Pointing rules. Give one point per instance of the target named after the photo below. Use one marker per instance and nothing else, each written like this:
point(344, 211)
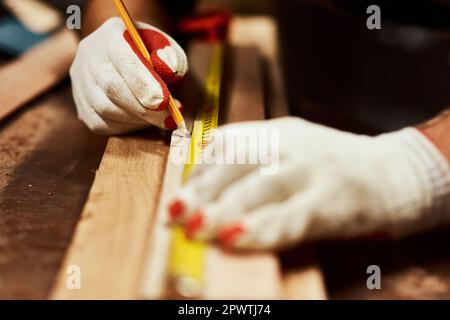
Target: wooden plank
point(302, 274)
point(45, 178)
point(237, 275)
point(111, 235)
point(36, 71)
point(154, 280)
point(262, 33)
point(306, 282)
point(244, 86)
point(303, 279)
point(154, 284)
point(36, 16)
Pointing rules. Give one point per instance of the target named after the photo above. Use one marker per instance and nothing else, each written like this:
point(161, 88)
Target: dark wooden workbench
point(47, 164)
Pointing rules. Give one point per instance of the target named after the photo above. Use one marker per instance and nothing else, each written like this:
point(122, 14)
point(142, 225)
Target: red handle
point(211, 27)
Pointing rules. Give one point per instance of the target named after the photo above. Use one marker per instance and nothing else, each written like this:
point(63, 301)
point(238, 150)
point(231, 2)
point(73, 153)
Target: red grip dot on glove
point(155, 41)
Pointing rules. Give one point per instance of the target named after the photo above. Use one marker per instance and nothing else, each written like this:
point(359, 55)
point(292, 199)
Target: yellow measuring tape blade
point(186, 262)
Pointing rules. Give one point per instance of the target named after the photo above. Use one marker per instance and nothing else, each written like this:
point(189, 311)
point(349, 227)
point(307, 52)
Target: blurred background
point(345, 75)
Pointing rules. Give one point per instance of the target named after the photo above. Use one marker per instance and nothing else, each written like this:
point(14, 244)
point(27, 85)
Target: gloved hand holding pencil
point(115, 89)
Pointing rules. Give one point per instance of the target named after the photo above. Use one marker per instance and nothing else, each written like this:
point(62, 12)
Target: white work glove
point(115, 88)
point(330, 184)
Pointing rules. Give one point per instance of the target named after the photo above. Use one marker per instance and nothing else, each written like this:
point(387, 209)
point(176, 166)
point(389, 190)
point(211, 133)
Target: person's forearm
point(149, 11)
point(438, 131)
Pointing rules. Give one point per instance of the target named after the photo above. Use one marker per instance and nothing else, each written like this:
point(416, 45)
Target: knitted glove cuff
point(434, 170)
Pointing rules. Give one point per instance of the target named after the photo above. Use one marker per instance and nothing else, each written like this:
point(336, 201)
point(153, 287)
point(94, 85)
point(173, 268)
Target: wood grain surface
point(154, 277)
point(47, 164)
point(237, 275)
point(111, 235)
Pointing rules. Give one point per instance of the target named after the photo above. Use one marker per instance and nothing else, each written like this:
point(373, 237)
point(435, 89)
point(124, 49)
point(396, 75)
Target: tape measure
point(187, 257)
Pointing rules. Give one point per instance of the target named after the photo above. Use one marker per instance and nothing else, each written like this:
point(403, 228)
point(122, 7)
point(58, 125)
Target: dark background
point(382, 79)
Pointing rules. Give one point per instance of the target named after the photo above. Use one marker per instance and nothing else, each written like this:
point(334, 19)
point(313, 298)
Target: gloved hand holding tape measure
point(329, 184)
point(115, 88)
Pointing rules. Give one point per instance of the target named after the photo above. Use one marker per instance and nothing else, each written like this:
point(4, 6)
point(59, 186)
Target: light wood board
point(154, 284)
point(243, 275)
point(110, 238)
point(36, 71)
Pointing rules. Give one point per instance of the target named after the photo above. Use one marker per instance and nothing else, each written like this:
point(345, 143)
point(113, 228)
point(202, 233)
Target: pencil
point(129, 24)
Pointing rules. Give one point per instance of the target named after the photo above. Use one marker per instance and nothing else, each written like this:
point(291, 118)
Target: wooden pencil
point(129, 24)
